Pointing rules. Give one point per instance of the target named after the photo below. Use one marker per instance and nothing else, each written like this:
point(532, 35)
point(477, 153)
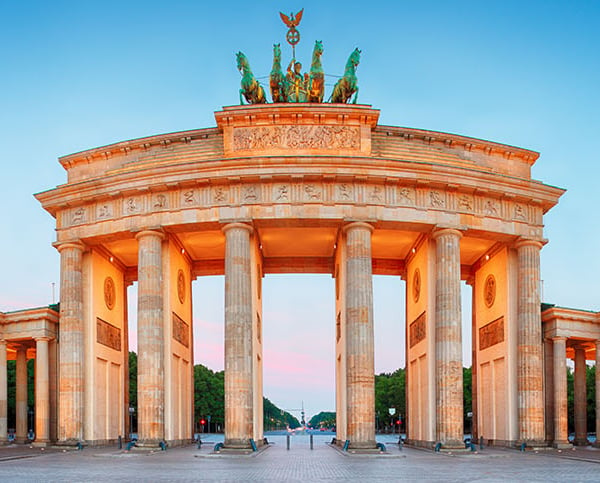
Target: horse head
point(318, 50)
point(355, 57)
point(242, 61)
point(276, 53)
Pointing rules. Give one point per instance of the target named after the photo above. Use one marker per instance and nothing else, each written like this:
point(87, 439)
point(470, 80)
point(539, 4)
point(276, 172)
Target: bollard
point(253, 445)
point(346, 445)
point(163, 445)
point(480, 442)
point(79, 446)
point(120, 443)
point(130, 445)
point(381, 447)
point(437, 447)
point(523, 446)
point(199, 446)
point(311, 441)
point(217, 447)
point(288, 441)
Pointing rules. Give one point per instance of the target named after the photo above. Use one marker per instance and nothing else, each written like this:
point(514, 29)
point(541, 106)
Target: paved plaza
point(300, 463)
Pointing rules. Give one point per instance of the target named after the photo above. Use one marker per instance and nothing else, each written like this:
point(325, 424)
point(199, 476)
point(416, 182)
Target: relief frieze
point(406, 196)
point(160, 201)
point(296, 137)
point(491, 334)
point(104, 211)
point(181, 330)
point(78, 216)
point(108, 335)
point(418, 330)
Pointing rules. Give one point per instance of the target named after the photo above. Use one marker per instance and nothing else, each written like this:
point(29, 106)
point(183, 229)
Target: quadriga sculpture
point(348, 84)
point(251, 89)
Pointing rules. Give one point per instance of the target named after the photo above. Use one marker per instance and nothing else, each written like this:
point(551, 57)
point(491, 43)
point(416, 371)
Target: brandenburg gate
point(301, 188)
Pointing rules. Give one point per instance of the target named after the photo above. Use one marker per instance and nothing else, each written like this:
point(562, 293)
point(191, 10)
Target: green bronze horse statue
point(348, 84)
point(316, 78)
point(277, 80)
point(251, 89)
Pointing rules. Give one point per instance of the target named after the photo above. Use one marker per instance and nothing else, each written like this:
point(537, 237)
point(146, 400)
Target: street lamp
point(392, 411)
point(131, 411)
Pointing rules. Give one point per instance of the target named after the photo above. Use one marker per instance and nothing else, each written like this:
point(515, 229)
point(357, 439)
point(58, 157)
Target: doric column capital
point(145, 233)
point(43, 339)
point(525, 242)
point(357, 225)
point(438, 232)
point(238, 225)
point(558, 338)
point(76, 244)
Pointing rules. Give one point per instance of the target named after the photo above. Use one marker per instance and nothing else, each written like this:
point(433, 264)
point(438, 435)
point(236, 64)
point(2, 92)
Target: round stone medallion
point(109, 292)
point(181, 286)
point(489, 291)
point(416, 289)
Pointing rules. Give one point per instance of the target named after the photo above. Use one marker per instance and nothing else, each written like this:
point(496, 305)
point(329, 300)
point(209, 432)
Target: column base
point(363, 445)
point(453, 445)
point(561, 445)
point(237, 444)
point(581, 442)
point(150, 444)
point(40, 444)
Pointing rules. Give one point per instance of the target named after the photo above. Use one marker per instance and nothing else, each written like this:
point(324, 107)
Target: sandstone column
point(597, 381)
point(580, 398)
point(21, 396)
point(238, 336)
point(448, 340)
point(3, 394)
point(42, 391)
point(360, 365)
point(529, 344)
point(151, 388)
point(560, 391)
point(71, 353)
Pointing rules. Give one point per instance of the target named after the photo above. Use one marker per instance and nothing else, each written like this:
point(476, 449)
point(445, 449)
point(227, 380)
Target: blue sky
point(77, 75)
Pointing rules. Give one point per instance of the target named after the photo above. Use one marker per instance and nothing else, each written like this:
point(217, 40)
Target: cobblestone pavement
point(300, 463)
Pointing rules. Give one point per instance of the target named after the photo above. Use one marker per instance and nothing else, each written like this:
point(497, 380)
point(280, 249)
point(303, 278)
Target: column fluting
point(529, 344)
point(21, 396)
point(580, 398)
point(151, 372)
point(448, 340)
point(42, 391)
point(360, 365)
point(238, 336)
point(559, 356)
point(71, 347)
point(3, 394)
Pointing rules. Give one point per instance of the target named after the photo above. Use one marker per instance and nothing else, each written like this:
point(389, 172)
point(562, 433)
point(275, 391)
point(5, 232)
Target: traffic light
point(202, 422)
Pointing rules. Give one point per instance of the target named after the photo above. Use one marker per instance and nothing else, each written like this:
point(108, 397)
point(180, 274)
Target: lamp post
point(131, 411)
point(392, 411)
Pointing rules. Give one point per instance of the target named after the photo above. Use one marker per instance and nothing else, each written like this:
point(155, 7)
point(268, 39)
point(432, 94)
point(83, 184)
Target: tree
point(390, 393)
point(325, 419)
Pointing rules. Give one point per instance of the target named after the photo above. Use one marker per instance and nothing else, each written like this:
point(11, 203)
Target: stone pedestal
point(21, 396)
point(560, 392)
point(580, 398)
point(71, 347)
point(360, 365)
point(42, 392)
point(151, 388)
point(3, 394)
point(238, 336)
point(448, 340)
point(529, 345)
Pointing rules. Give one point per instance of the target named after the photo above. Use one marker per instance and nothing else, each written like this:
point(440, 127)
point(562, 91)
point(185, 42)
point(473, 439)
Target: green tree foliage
point(209, 396)
point(325, 419)
point(11, 375)
point(276, 418)
point(467, 396)
point(590, 378)
point(390, 393)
